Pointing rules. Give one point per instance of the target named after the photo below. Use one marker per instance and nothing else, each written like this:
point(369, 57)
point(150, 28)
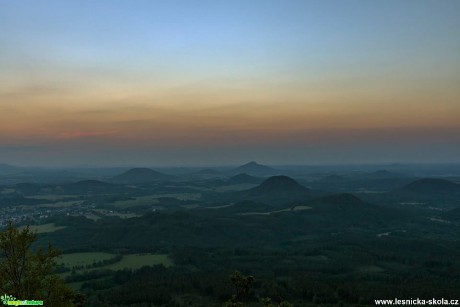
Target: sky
point(225, 82)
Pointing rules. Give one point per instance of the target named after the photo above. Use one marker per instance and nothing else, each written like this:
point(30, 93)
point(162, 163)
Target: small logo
point(10, 300)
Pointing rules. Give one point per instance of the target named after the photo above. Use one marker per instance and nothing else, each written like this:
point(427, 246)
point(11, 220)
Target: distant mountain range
point(255, 169)
point(141, 175)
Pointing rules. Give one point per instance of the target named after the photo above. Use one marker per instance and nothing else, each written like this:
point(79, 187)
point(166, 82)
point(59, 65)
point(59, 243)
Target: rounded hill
point(141, 175)
point(432, 185)
point(279, 184)
point(254, 168)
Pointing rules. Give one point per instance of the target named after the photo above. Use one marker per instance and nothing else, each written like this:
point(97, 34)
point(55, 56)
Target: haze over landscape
point(223, 82)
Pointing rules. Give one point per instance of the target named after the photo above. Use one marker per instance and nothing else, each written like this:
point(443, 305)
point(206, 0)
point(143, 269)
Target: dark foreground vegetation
point(271, 237)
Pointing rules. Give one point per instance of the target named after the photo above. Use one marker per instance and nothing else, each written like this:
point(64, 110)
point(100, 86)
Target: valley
point(308, 238)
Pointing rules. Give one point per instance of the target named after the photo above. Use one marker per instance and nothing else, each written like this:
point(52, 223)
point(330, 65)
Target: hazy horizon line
point(229, 165)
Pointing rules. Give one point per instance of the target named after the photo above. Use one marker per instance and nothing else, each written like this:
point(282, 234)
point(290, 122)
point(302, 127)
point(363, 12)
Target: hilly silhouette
point(141, 175)
point(243, 178)
point(255, 169)
point(432, 186)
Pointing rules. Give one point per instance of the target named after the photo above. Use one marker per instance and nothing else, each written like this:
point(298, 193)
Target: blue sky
point(81, 80)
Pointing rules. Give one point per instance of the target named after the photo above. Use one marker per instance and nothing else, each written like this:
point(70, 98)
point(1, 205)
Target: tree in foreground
point(242, 285)
point(31, 275)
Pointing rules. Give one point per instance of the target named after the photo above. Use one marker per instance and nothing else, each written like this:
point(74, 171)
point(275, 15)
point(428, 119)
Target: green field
point(137, 202)
point(51, 227)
